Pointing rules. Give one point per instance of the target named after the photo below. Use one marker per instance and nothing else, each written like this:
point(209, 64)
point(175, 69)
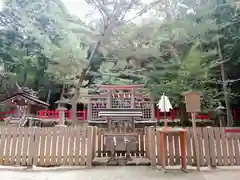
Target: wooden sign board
point(193, 102)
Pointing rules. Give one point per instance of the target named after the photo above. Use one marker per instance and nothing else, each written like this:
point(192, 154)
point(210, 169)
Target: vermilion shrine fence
point(82, 115)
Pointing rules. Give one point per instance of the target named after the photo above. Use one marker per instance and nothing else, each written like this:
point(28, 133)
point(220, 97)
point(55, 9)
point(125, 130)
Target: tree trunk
point(225, 88)
point(48, 97)
point(183, 114)
point(79, 84)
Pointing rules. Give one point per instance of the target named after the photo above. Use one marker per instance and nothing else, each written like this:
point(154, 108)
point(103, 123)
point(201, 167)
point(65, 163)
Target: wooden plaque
point(193, 102)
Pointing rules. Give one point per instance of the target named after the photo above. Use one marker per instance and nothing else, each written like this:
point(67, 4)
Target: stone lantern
point(61, 108)
point(220, 110)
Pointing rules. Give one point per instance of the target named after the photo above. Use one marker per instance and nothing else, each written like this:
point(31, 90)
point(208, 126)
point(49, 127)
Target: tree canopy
point(171, 47)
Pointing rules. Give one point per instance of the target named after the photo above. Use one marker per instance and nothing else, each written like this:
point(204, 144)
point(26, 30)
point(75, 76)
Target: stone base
point(121, 161)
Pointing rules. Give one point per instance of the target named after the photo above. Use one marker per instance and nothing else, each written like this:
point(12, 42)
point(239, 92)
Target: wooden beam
point(141, 102)
point(105, 95)
point(120, 86)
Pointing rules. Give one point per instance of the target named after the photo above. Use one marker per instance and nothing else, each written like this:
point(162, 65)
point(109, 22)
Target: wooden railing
point(82, 115)
point(54, 114)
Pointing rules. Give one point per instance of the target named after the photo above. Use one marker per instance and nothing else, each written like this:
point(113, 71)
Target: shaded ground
point(118, 173)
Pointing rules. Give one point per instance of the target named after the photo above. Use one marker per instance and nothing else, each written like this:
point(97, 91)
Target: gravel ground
point(117, 173)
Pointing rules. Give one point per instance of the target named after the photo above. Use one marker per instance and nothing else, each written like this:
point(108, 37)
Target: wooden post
point(195, 139)
point(109, 100)
point(152, 148)
point(89, 111)
point(94, 142)
point(152, 109)
point(28, 113)
point(89, 146)
point(146, 141)
point(133, 98)
point(193, 105)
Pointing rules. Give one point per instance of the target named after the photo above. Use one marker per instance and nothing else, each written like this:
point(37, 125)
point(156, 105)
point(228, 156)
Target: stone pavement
point(117, 173)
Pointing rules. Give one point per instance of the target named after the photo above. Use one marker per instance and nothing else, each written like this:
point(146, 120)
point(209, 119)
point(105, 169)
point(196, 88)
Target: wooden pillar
point(152, 110)
point(152, 147)
point(28, 111)
point(109, 99)
point(89, 111)
point(133, 98)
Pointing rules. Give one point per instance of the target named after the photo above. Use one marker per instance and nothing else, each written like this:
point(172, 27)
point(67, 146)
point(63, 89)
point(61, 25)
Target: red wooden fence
point(82, 115)
point(54, 114)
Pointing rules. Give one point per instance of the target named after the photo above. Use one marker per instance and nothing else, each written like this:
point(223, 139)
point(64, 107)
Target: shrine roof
point(28, 97)
point(130, 86)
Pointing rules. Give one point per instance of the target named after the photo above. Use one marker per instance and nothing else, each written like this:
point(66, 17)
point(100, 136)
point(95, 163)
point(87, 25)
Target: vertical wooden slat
point(171, 149)
point(138, 142)
point(177, 149)
point(224, 146)
point(189, 148)
point(42, 148)
point(152, 148)
point(37, 146)
point(200, 141)
point(20, 132)
point(230, 151)
point(212, 147)
point(193, 148)
point(54, 147)
point(65, 146)
point(99, 142)
point(60, 145)
point(31, 146)
point(236, 150)
point(104, 152)
point(142, 142)
point(206, 147)
point(48, 147)
point(89, 146)
point(77, 146)
point(14, 145)
point(218, 146)
point(94, 144)
point(146, 142)
point(83, 146)
point(158, 149)
point(8, 146)
point(166, 150)
point(72, 135)
point(2, 144)
point(25, 146)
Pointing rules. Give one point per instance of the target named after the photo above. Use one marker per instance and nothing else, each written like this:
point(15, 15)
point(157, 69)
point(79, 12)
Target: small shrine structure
point(121, 97)
point(26, 101)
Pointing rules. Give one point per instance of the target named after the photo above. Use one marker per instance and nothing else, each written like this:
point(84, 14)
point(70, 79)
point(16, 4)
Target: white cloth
point(164, 104)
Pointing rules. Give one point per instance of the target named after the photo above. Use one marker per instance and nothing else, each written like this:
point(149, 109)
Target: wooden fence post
point(94, 145)
point(89, 146)
point(152, 145)
point(146, 141)
point(212, 147)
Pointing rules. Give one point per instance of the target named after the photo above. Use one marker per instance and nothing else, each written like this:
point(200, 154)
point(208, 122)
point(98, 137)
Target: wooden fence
point(216, 149)
point(74, 146)
point(46, 146)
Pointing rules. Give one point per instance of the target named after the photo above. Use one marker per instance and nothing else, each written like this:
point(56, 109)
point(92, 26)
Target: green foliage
point(44, 46)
